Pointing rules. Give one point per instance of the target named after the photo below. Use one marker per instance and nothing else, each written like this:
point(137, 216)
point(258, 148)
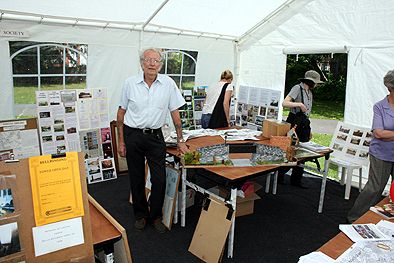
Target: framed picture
point(120, 162)
point(172, 177)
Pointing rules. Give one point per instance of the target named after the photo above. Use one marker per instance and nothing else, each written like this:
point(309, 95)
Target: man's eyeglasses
point(152, 60)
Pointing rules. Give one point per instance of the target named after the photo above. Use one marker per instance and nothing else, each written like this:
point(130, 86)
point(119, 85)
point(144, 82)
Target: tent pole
point(237, 66)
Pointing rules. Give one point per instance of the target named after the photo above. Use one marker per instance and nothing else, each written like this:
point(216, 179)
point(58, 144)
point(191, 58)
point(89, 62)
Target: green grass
point(324, 139)
point(328, 110)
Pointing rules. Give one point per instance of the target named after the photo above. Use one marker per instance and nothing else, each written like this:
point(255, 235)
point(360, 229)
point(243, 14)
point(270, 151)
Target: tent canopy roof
point(219, 19)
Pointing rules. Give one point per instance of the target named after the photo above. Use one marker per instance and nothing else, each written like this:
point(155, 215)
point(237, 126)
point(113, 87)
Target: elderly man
point(145, 102)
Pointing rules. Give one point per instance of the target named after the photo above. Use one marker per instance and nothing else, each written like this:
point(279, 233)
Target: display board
point(186, 112)
point(199, 94)
point(254, 105)
point(351, 143)
point(51, 242)
point(77, 120)
point(19, 139)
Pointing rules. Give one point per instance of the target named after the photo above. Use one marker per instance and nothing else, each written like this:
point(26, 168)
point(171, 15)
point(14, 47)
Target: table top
point(230, 173)
point(340, 243)
point(102, 229)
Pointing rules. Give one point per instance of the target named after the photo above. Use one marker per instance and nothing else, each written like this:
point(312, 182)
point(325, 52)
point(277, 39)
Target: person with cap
point(381, 153)
point(146, 100)
point(299, 100)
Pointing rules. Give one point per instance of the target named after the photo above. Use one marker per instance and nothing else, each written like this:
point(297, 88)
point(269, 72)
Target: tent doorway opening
point(328, 98)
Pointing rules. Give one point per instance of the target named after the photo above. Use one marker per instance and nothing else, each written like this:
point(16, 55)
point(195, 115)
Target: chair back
point(350, 144)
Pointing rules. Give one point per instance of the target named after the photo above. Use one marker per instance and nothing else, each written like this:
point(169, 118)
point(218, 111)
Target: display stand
point(24, 218)
point(109, 234)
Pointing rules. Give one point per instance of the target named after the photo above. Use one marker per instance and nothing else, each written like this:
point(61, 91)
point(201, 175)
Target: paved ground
point(322, 126)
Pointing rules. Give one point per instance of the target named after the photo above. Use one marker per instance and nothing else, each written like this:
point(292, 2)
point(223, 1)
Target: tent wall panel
point(365, 83)
point(113, 55)
point(326, 25)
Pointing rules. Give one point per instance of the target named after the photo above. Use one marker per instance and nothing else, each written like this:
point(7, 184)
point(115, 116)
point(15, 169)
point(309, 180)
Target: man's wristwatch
point(181, 140)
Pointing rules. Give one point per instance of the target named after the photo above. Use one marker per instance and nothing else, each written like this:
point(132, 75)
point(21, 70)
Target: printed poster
point(56, 188)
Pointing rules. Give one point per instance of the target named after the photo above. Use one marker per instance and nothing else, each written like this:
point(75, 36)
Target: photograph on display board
point(93, 170)
point(68, 96)
point(44, 114)
point(198, 104)
point(358, 133)
point(90, 140)
point(59, 137)
point(259, 120)
point(272, 113)
point(60, 149)
point(107, 150)
point(107, 163)
point(109, 174)
point(84, 95)
point(47, 128)
point(9, 239)
point(105, 135)
point(337, 147)
point(263, 111)
point(69, 109)
point(6, 202)
point(5, 155)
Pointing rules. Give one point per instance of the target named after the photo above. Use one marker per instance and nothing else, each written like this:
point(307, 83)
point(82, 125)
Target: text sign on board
point(14, 33)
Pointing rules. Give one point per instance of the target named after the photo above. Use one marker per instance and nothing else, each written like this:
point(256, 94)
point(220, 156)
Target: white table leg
point(323, 186)
point(230, 244)
point(183, 203)
point(275, 183)
point(267, 183)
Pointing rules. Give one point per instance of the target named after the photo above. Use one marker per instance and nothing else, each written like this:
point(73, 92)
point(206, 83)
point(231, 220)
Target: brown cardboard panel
point(245, 208)
point(80, 253)
point(211, 231)
point(275, 128)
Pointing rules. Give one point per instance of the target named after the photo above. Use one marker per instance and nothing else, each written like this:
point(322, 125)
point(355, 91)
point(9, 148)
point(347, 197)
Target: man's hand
point(122, 149)
point(183, 148)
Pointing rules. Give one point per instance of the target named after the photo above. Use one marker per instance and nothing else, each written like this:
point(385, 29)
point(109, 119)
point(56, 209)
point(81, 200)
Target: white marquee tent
point(250, 37)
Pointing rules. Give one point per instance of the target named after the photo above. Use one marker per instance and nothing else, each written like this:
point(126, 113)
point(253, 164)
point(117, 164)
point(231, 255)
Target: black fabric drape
point(218, 117)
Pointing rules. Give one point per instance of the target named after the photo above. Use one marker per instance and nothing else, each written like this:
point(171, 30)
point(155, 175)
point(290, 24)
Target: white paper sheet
point(57, 236)
point(316, 257)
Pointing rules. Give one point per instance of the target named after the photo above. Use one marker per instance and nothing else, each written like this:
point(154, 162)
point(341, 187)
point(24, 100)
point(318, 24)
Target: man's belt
point(147, 130)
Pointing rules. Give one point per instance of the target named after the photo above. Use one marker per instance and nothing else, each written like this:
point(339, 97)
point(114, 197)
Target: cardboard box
point(275, 128)
point(245, 205)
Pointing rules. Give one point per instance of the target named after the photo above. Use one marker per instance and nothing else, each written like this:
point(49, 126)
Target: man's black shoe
point(140, 224)
point(299, 185)
point(159, 226)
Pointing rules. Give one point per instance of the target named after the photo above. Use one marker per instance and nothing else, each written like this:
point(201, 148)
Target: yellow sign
point(56, 188)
